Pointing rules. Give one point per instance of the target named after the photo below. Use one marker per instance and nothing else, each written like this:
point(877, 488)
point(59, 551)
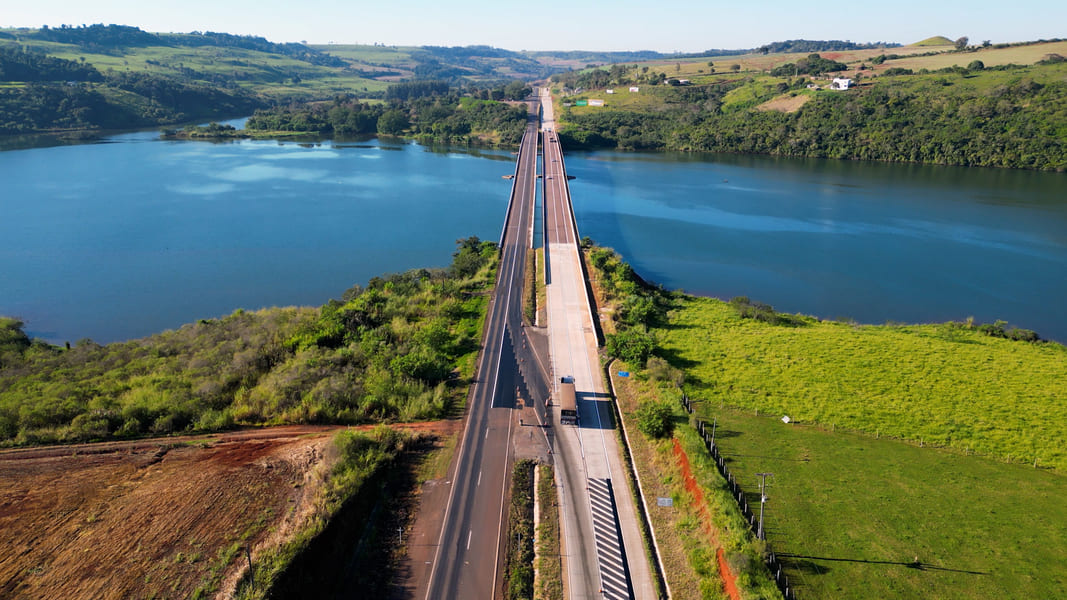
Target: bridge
point(603, 553)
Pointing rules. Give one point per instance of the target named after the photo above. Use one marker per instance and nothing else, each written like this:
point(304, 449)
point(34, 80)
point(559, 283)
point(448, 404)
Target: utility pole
point(762, 501)
point(714, 424)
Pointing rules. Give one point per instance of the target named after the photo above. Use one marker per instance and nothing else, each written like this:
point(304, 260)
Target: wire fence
point(707, 434)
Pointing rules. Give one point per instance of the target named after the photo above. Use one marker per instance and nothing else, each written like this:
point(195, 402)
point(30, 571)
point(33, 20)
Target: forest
point(430, 111)
point(399, 349)
point(18, 65)
point(1012, 116)
point(120, 101)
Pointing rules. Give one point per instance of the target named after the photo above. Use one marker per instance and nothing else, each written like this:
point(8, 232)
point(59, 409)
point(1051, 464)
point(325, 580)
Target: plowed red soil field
point(153, 518)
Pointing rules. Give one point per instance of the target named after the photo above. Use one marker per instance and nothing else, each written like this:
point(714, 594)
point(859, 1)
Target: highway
point(602, 541)
point(469, 553)
point(603, 553)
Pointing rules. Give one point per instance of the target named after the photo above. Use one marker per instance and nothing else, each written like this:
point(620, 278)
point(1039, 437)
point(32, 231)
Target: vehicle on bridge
point(568, 404)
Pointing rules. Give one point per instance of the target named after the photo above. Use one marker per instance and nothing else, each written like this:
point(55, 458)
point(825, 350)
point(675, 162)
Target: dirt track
point(151, 518)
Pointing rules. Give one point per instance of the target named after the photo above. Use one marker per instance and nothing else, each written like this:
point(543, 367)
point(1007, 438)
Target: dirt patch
point(728, 580)
point(153, 518)
point(785, 103)
point(691, 486)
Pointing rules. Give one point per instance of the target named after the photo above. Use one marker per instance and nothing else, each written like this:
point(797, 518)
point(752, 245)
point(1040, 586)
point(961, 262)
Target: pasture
point(991, 57)
point(941, 384)
point(849, 514)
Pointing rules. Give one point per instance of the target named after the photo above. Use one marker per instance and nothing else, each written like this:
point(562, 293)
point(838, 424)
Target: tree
point(516, 90)
point(735, 67)
point(961, 44)
point(392, 122)
point(976, 65)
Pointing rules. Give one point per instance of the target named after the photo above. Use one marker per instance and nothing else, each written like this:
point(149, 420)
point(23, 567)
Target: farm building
point(840, 84)
point(634, 89)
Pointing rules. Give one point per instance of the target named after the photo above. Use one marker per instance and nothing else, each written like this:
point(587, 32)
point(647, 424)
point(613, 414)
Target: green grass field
point(855, 511)
point(931, 384)
point(371, 55)
point(1019, 55)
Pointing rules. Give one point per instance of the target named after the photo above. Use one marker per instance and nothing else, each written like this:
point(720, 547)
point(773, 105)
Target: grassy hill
point(76, 78)
point(937, 40)
point(1001, 105)
point(258, 68)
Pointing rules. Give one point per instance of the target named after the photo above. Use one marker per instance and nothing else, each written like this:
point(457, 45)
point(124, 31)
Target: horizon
point(888, 43)
point(628, 27)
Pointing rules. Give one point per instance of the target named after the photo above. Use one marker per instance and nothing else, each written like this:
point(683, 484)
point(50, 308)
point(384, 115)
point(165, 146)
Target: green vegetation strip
point(549, 561)
point(539, 282)
point(529, 288)
point(519, 555)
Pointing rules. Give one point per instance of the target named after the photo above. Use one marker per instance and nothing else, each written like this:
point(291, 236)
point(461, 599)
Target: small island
point(209, 131)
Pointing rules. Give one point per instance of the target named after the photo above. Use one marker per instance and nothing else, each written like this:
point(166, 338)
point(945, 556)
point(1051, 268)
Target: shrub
point(631, 346)
point(655, 418)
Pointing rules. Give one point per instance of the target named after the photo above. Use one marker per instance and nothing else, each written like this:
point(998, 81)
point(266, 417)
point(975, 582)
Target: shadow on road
point(589, 408)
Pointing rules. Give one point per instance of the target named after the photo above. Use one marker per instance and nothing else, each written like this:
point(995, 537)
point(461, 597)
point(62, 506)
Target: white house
point(840, 84)
point(611, 91)
point(634, 89)
point(593, 102)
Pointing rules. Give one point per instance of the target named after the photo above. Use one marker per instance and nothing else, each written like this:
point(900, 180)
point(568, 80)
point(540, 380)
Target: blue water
point(125, 238)
point(866, 241)
point(122, 239)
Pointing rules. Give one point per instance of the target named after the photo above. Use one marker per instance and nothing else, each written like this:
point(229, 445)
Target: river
point(134, 235)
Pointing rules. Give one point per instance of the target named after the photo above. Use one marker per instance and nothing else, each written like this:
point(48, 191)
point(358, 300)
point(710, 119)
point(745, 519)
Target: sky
point(665, 26)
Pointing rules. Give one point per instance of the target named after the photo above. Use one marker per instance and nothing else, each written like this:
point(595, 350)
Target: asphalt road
point(470, 551)
point(588, 456)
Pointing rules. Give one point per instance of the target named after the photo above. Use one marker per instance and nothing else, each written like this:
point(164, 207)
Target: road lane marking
point(479, 478)
point(470, 532)
point(486, 362)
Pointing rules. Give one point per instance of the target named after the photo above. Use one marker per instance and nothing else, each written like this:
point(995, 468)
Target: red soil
point(151, 518)
point(691, 486)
